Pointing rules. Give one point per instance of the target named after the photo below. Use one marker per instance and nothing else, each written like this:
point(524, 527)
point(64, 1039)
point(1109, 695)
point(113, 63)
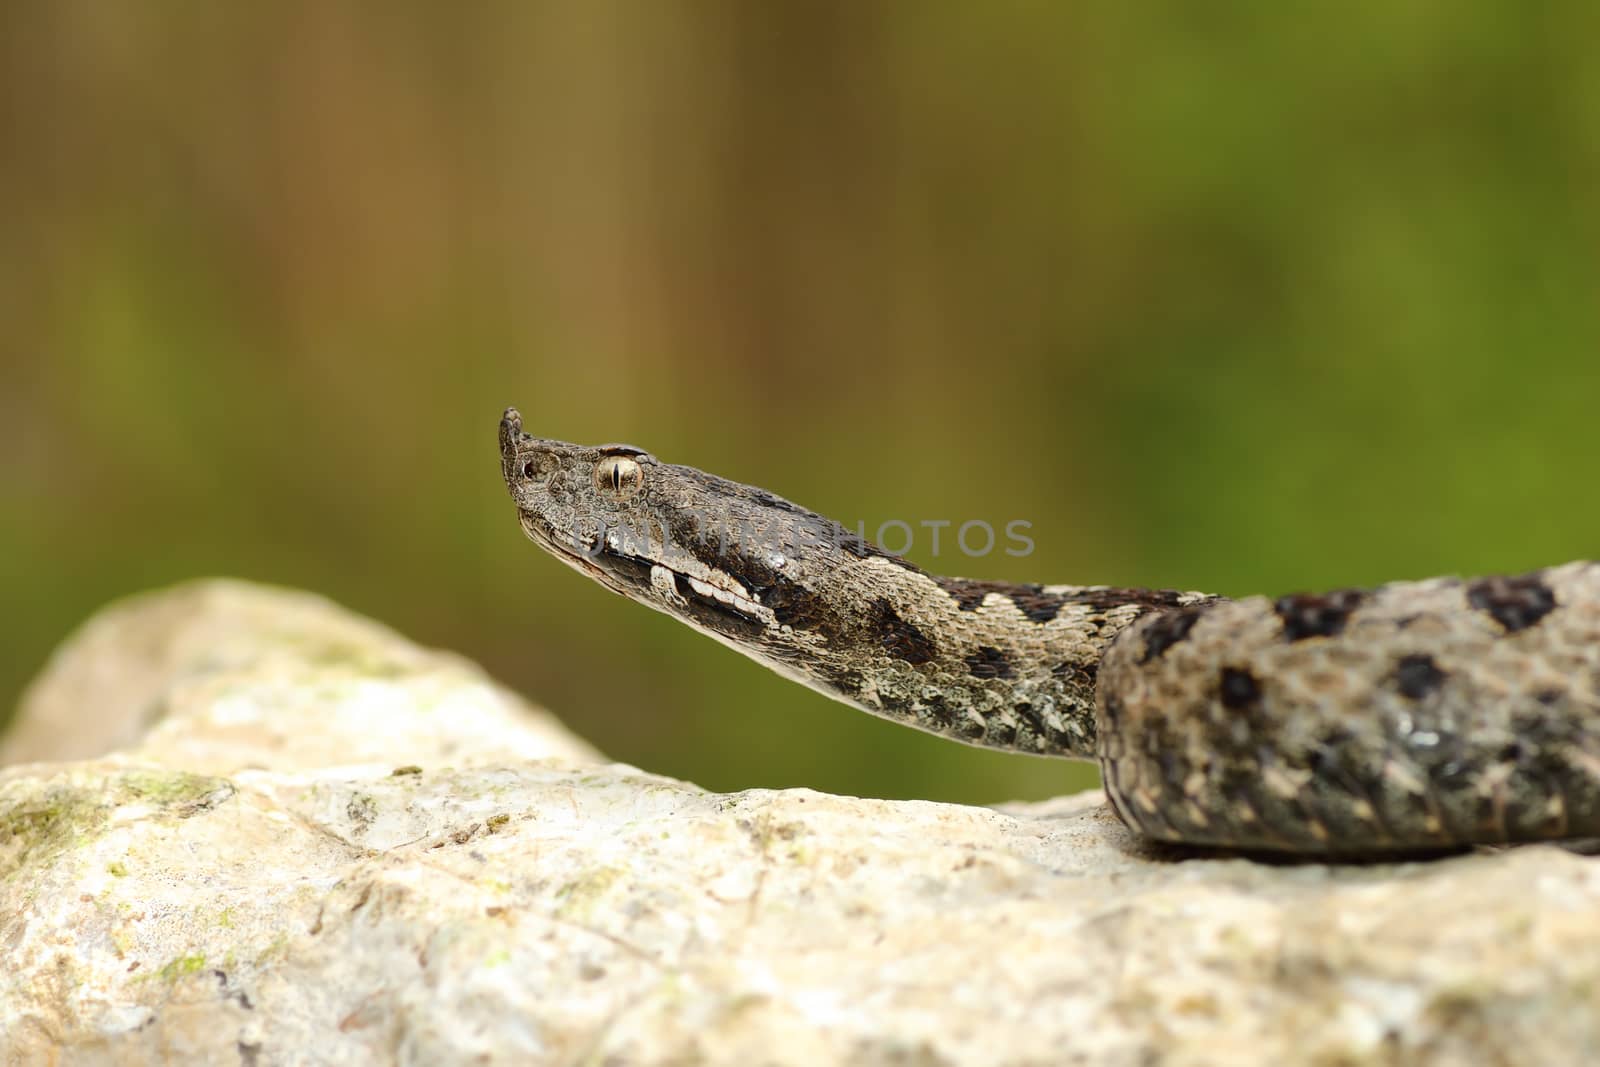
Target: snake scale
point(1417, 715)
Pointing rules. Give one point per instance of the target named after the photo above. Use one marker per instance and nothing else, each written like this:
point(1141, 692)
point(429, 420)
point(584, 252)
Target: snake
point(1417, 715)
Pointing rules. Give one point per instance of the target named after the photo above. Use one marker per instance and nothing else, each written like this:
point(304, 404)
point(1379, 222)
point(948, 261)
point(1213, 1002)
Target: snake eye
point(618, 475)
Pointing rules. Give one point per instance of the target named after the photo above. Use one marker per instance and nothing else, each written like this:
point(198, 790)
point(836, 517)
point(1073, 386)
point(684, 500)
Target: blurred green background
point(1235, 297)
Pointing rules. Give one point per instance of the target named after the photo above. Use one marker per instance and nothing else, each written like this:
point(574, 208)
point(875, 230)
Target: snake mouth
point(723, 608)
point(620, 572)
point(563, 546)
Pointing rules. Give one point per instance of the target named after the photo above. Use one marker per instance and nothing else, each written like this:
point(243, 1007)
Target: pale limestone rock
point(218, 675)
point(254, 883)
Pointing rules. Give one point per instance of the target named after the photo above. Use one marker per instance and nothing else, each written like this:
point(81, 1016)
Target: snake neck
point(987, 663)
point(992, 664)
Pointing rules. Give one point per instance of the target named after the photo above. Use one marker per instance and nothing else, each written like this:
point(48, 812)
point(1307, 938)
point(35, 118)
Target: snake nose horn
point(510, 433)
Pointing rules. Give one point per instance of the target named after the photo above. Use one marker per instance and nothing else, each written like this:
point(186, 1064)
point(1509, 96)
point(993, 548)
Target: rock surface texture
point(258, 830)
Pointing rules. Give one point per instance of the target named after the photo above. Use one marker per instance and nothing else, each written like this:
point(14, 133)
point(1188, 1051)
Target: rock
point(219, 675)
point(330, 847)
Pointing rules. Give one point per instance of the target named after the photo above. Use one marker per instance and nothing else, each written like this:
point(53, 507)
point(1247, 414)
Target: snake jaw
point(684, 588)
point(738, 599)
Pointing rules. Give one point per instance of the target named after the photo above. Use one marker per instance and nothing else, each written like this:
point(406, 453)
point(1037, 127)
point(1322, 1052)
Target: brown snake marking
point(1426, 714)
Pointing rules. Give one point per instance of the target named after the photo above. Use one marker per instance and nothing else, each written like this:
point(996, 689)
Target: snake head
point(708, 550)
point(573, 499)
point(637, 526)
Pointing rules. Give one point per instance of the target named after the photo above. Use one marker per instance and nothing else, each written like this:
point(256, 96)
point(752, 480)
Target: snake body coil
point(1417, 715)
